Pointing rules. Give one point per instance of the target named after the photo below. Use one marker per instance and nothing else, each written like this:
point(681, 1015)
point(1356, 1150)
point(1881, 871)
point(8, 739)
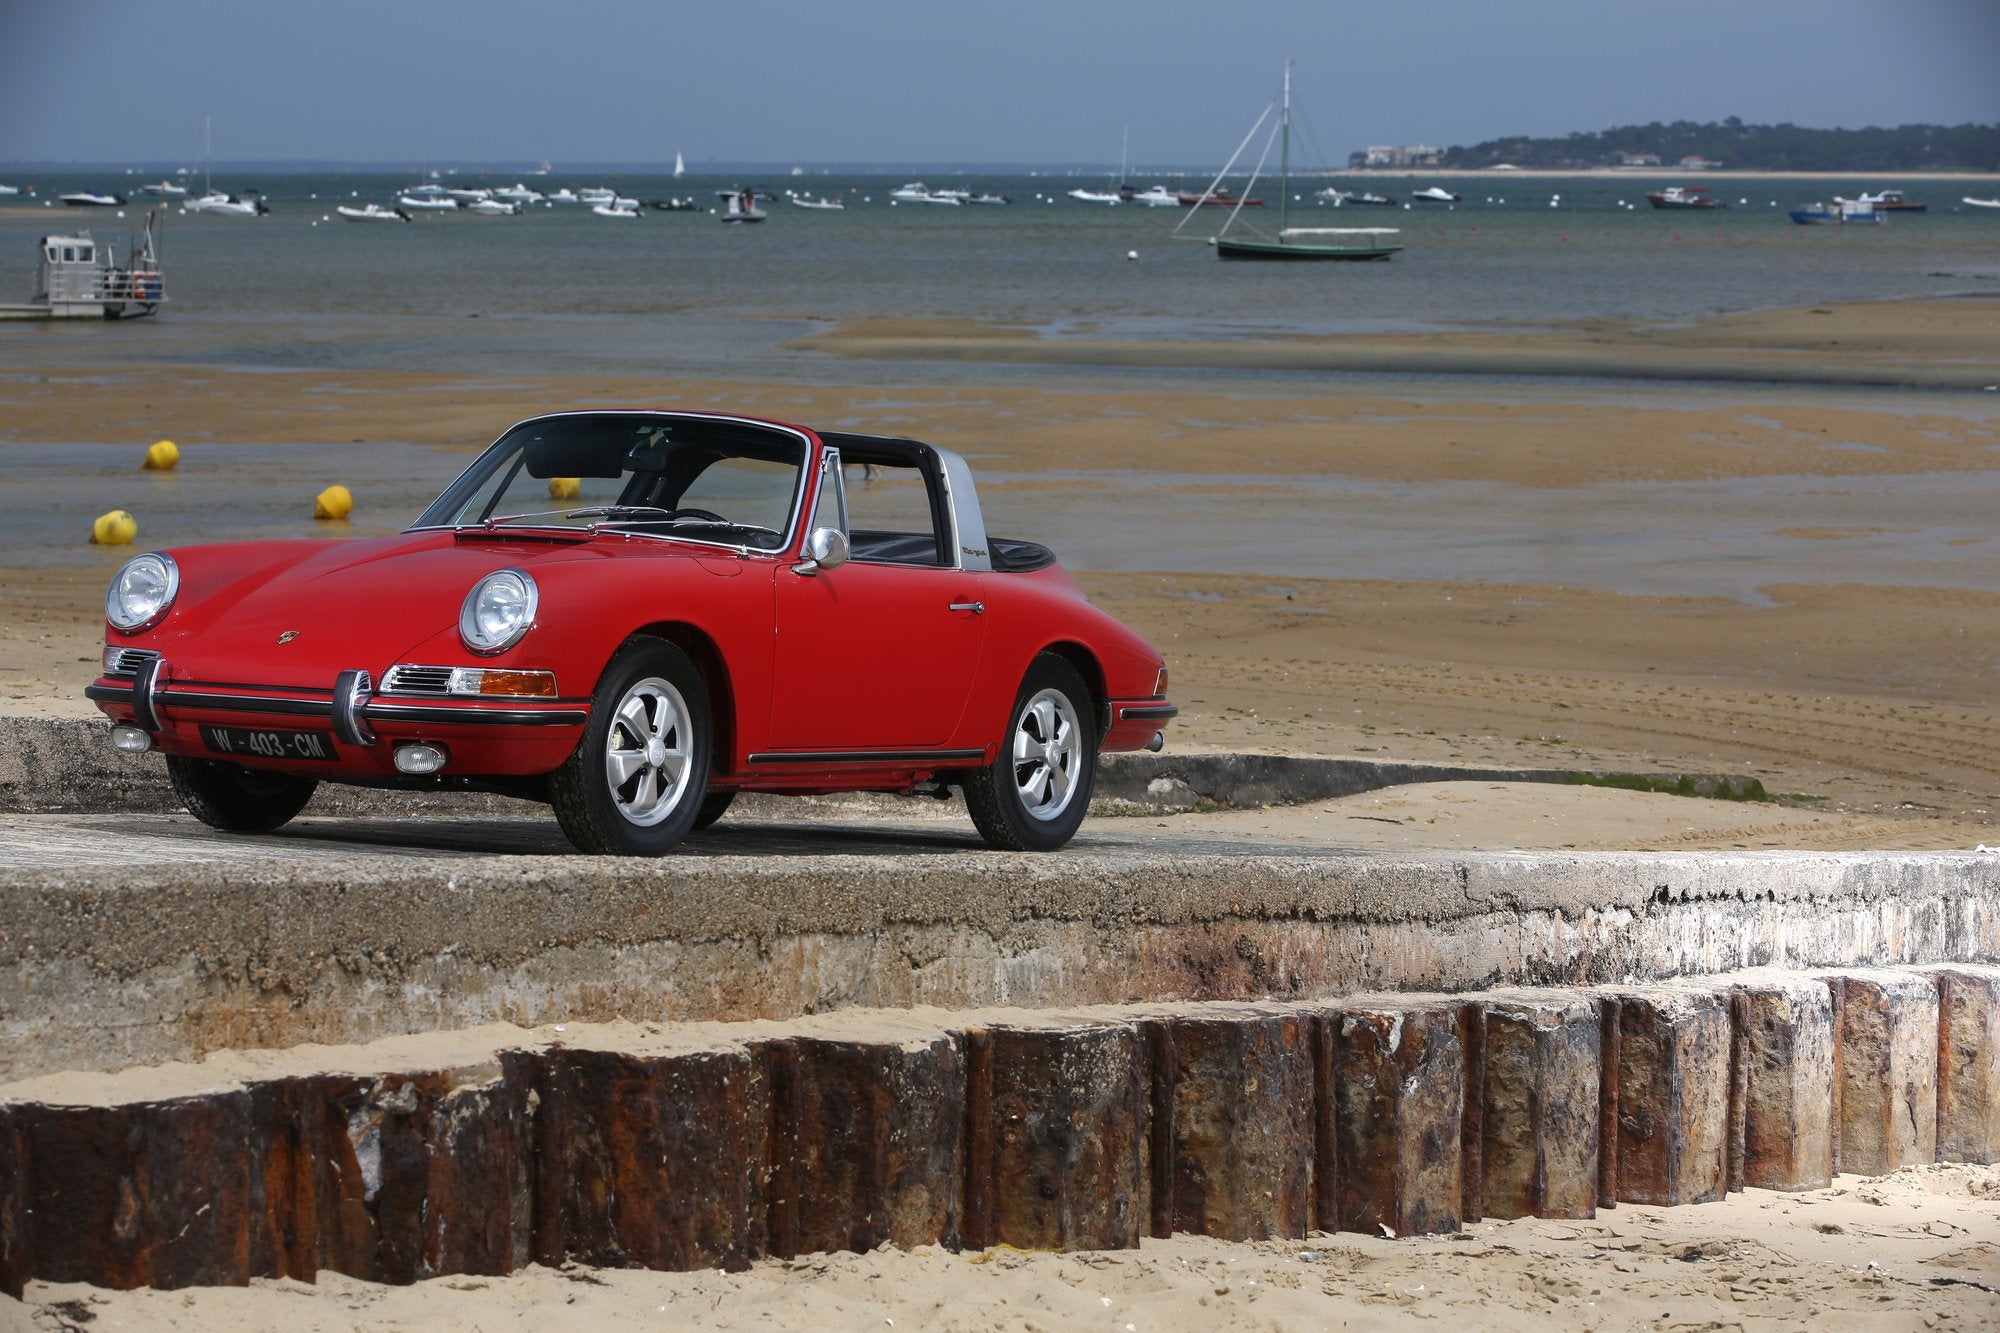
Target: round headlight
point(498, 611)
point(142, 590)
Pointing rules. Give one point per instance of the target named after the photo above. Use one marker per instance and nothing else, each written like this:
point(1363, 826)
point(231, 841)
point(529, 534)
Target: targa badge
point(288, 636)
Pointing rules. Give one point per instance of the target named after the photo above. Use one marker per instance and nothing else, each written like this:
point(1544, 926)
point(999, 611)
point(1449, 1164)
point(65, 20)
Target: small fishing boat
point(81, 279)
point(92, 199)
point(1216, 196)
point(1817, 215)
point(1436, 195)
point(1684, 196)
point(1158, 196)
point(372, 213)
point(1894, 201)
point(741, 206)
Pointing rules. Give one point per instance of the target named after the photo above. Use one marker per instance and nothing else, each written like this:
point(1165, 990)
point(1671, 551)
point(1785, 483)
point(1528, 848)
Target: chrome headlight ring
point(142, 591)
point(498, 610)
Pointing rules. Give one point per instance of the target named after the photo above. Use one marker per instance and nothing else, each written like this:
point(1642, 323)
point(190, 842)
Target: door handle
point(977, 608)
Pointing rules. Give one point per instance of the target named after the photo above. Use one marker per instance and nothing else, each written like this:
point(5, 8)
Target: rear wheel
point(635, 783)
point(1035, 795)
point(242, 800)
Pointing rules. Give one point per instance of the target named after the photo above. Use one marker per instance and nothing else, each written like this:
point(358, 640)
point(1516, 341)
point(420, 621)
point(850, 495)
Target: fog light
point(419, 758)
point(132, 740)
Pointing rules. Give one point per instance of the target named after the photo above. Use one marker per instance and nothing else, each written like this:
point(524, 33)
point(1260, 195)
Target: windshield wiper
point(590, 511)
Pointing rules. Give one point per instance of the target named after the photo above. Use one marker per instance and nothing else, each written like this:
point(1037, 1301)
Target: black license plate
point(255, 743)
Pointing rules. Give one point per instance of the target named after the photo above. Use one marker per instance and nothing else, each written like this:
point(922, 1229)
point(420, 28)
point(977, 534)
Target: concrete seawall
point(698, 1146)
point(105, 966)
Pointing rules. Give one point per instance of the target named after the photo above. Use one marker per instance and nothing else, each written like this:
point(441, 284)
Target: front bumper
point(484, 737)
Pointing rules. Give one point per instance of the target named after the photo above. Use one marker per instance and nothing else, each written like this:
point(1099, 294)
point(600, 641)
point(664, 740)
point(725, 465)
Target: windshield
point(709, 479)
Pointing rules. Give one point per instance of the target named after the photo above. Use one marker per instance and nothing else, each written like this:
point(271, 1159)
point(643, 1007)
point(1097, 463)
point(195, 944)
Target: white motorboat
point(10, 189)
point(989, 199)
point(608, 211)
point(807, 201)
point(1435, 195)
point(372, 213)
point(1158, 196)
point(429, 203)
point(92, 199)
point(562, 196)
point(1982, 203)
point(226, 205)
point(596, 194)
point(916, 193)
point(469, 196)
point(1097, 196)
point(163, 189)
point(518, 193)
point(492, 208)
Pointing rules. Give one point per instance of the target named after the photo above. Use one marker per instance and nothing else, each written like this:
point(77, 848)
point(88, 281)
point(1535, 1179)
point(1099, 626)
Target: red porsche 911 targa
point(634, 615)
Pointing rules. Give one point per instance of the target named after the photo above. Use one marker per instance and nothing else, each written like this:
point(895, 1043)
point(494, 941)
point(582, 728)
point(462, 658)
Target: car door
point(874, 656)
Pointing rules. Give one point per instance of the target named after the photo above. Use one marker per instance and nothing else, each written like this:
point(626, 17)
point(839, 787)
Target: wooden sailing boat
point(1301, 242)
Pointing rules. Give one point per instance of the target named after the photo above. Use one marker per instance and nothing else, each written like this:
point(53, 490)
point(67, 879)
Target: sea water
point(560, 289)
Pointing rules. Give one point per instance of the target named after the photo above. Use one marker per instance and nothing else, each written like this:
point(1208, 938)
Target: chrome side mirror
point(826, 548)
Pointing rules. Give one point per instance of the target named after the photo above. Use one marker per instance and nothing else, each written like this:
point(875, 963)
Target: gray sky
point(1018, 81)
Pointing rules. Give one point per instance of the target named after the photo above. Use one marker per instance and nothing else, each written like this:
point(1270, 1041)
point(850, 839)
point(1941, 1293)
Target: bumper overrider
point(420, 720)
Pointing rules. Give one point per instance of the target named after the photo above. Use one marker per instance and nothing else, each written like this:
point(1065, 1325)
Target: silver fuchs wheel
point(635, 783)
point(1033, 797)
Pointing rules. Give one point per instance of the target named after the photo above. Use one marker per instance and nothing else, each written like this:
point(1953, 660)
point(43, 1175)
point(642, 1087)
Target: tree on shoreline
point(1734, 145)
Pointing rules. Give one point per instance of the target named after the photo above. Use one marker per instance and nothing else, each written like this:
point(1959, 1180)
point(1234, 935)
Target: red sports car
point(633, 616)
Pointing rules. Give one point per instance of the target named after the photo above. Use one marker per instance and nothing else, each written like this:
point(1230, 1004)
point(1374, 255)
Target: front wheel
point(635, 783)
point(241, 800)
point(1035, 795)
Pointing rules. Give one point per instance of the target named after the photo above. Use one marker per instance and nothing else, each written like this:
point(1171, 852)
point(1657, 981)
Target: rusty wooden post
point(1540, 1088)
point(1889, 1063)
point(1062, 1133)
point(1785, 1029)
point(1673, 1096)
point(1399, 1089)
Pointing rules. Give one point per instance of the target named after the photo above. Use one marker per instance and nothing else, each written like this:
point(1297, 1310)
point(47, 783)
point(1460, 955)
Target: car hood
point(299, 613)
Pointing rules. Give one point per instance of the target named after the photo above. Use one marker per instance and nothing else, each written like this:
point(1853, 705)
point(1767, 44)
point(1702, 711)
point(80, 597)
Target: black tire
point(1015, 803)
point(650, 687)
point(713, 807)
point(241, 800)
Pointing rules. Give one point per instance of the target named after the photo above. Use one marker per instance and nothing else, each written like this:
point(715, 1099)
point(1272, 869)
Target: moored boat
point(493, 208)
point(1684, 196)
point(429, 203)
point(807, 201)
point(1290, 243)
point(1894, 201)
point(613, 211)
point(81, 279)
point(1215, 196)
point(227, 205)
point(1158, 196)
point(371, 213)
point(741, 206)
point(92, 199)
point(1436, 195)
point(1982, 203)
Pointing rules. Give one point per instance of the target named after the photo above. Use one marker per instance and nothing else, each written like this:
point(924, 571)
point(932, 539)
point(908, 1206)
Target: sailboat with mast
point(1291, 242)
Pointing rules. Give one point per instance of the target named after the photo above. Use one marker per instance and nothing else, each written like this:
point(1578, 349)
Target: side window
point(889, 515)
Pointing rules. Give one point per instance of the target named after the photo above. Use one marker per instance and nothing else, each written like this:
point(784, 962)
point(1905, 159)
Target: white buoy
point(1131, 254)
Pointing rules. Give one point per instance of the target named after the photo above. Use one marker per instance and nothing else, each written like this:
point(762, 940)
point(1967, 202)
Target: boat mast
point(1285, 153)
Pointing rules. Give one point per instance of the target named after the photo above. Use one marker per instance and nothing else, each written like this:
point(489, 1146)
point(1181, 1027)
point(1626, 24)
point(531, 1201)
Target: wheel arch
point(1087, 666)
point(707, 657)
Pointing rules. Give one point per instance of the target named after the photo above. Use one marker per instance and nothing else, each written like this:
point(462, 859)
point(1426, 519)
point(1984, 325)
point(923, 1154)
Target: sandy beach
point(1840, 643)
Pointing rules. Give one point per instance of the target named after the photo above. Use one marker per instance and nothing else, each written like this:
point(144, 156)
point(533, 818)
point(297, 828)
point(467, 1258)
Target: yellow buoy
point(564, 488)
point(162, 456)
point(333, 502)
point(116, 528)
